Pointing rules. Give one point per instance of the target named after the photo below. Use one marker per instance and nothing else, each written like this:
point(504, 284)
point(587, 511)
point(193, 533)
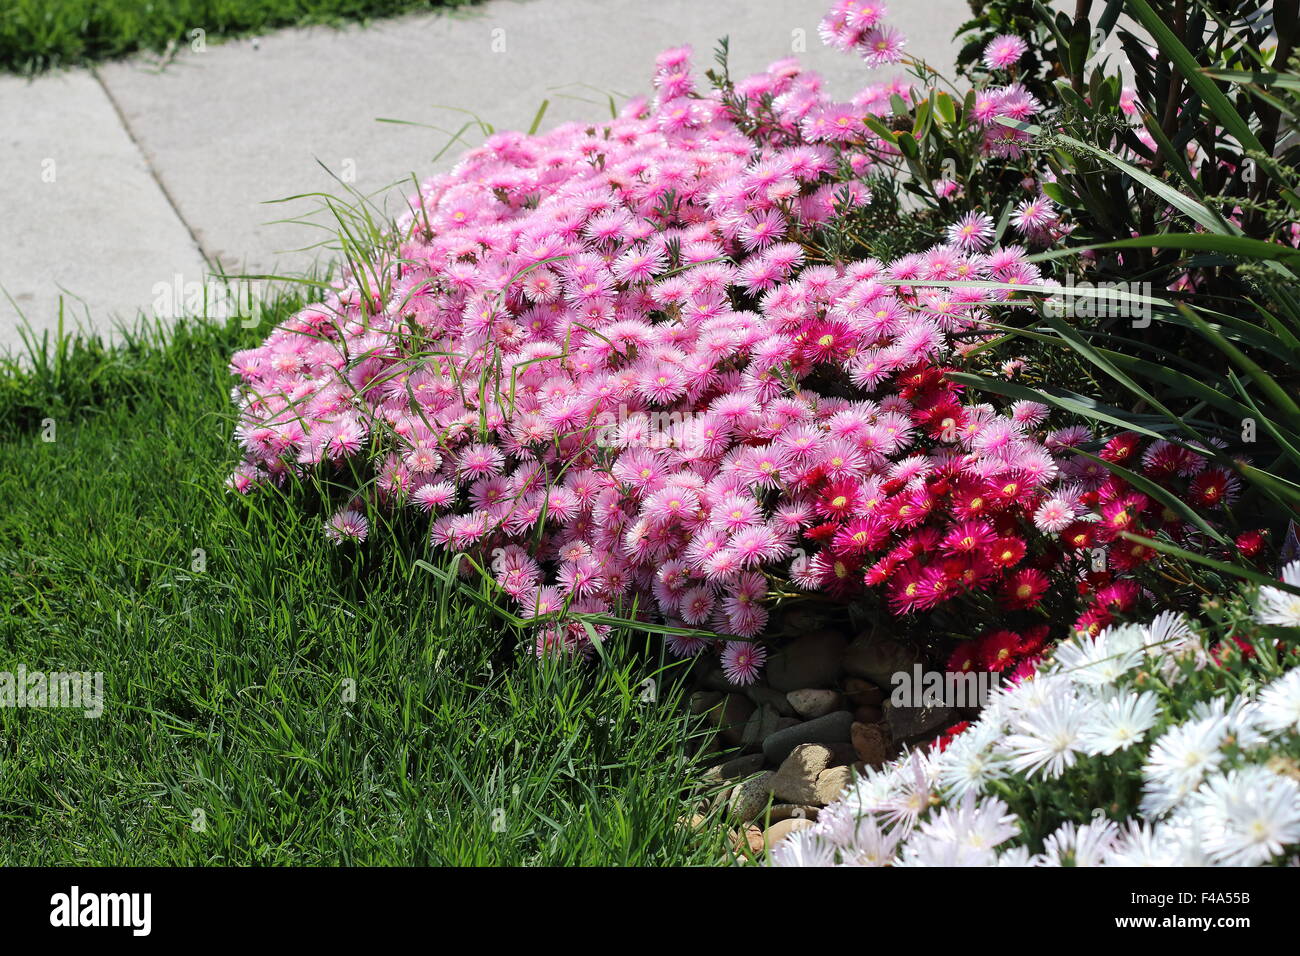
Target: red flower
point(1120, 448)
point(1024, 589)
point(1033, 640)
point(997, 651)
point(840, 499)
point(967, 537)
point(1212, 488)
point(965, 658)
point(1251, 543)
point(1078, 536)
point(1120, 596)
point(1006, 552)
point(1093, 620)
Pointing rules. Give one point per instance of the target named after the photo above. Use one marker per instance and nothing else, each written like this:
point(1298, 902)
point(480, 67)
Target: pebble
point(780, 830)
point(869, 743)
point(811, 703)
point(733, 715)
point(796, 779)
point(911, 724)
point(773, 698)
point(762, 724)
point(878, 660)
point(749, 798)
point(813, 660)
point(790, 811)
point(831, 782)
point(833, 728)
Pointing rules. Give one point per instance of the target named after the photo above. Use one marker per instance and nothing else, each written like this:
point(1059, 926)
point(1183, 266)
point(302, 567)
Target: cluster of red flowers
point(1001, 651)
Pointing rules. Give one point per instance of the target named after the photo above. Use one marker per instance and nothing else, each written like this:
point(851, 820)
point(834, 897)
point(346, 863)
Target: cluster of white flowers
point(1218, 771)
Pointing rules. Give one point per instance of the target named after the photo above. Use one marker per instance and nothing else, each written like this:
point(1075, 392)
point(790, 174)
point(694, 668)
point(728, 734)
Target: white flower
point(1073, 845)
point(1240, 717)
point(1142, 844)
point(1015, 856)
point(970, 762)
point(872, 845)
point(1168, 633)
point(911, 798)
point(1104, 659)
point(1279, 704)
point(1119, 723)
point(1278, 607)
point(924, 851)
point(803, 848)
point(1048, 738)
point(1247, 816)
point(975, 824)
point(1179, 761)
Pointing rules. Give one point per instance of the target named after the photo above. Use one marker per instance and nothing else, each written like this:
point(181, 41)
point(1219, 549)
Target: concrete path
point(127, 180)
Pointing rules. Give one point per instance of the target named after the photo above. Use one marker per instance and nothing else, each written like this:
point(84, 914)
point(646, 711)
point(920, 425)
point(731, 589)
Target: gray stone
point(878, 660)
point(750, 797)
point(912, 724)
point(831, 729)
point(743, 766)
point(809, 661)
point(773, 698)
point(762, 724)
point(733, 716)
point(810, 703)
point(703, 701)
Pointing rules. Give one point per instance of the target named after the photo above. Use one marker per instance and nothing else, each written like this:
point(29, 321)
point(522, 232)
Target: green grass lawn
point(39, 34)
point(228, 735)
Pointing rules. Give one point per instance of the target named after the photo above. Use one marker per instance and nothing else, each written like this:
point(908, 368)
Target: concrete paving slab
point(81, 211)
point(238, 124)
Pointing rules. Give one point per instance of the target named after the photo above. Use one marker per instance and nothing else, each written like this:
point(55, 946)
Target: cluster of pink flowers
point(601, 361)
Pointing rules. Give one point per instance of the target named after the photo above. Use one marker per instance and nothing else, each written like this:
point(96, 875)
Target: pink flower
point(742, 661)
point(1003, 52)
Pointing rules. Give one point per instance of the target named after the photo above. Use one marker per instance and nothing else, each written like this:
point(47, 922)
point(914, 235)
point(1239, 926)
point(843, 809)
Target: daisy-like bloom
point(1102, 660)
point(1119, 723)
point(998, 650)
point(970, 823)
point(479, 461)
point(1024, 589)
point(1074, 845)
point(972, 231)
point(971, 762)
point(742, 661)
point(1048, 739)
point(1277, 607)
point(882, 46)
point(1033, 215)
point(696, 605)
point(1146, 845)
point(757, 545)
point(803, 848)
point(1247, 816)
point(1279, 704)
point(347, 525)
point(1213, 488)
point(1179, 760)
point(685, 645)
point(1004, 52)
point(1055, 515)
